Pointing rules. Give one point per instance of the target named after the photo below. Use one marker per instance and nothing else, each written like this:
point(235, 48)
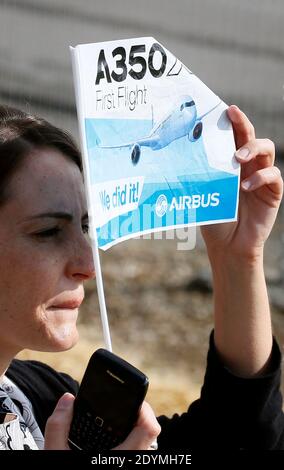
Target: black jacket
point(232, 413)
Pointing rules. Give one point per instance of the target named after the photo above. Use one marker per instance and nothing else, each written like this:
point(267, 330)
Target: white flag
point(158, 147)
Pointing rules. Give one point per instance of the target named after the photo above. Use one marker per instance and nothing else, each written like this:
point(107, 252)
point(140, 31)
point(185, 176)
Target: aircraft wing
point(145, 141)
point(199, 118)
point(129, 144)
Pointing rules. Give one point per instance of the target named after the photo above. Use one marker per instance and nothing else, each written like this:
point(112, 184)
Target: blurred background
point(159, 298)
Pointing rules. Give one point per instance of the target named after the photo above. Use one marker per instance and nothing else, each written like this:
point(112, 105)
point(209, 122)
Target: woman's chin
point(64, 339)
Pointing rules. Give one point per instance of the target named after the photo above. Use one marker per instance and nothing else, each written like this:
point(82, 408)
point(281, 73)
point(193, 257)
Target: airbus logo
point(161, 205)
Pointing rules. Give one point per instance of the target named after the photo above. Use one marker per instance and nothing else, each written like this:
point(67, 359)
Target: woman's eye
point(85, 228)
point(51, 232)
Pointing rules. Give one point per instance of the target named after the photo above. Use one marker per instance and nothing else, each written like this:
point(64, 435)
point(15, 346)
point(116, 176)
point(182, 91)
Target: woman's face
point(44, 254)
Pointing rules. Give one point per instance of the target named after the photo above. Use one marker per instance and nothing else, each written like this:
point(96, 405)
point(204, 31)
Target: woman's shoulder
point(29, 372)
point(42, 385)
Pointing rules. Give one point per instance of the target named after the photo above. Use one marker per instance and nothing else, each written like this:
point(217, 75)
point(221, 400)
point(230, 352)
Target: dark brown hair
point(20, 133)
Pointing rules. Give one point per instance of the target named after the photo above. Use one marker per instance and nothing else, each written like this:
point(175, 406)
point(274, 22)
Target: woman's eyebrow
point(54, 215)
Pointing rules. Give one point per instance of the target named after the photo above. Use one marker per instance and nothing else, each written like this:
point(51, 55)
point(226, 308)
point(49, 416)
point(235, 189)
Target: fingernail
point(246, 184)
point(242, 153)
point(64, 402)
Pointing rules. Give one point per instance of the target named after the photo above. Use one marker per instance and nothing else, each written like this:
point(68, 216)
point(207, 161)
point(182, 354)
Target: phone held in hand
point(108, 402)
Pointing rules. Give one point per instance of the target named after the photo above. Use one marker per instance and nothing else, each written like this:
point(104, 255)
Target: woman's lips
point(69, 305)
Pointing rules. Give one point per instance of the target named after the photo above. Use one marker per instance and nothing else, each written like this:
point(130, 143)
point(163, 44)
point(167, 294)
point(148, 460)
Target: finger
point(270, 176)
point(243, 128)
point(257, 148)
point(145, 431)
point(58, 424)
point(154, 445)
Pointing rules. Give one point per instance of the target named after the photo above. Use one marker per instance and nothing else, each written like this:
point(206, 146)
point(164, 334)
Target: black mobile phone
point(107, 404)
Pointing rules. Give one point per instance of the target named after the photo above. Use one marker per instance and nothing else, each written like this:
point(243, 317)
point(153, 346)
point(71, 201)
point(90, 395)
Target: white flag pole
point(93, 233)
point(100, 287)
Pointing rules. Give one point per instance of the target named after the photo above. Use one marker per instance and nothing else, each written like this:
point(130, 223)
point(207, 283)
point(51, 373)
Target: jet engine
point(135, 154)
point(195, 134)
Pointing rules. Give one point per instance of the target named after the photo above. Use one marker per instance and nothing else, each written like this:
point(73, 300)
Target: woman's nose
point(81, 264)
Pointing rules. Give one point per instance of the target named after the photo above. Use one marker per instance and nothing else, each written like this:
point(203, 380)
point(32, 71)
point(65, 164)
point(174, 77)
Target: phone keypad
point(90, 433)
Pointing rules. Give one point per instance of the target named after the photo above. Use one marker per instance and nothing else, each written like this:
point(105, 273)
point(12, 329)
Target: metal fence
point(235, 46)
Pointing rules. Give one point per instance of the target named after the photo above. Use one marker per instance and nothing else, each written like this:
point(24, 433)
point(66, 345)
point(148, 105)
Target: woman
point(45, 259)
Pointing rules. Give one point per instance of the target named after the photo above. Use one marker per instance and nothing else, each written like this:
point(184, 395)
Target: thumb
point(144, 432)
point(58, 424)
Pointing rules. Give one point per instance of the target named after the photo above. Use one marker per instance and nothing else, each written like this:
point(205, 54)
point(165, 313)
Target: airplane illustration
point(180, 122)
